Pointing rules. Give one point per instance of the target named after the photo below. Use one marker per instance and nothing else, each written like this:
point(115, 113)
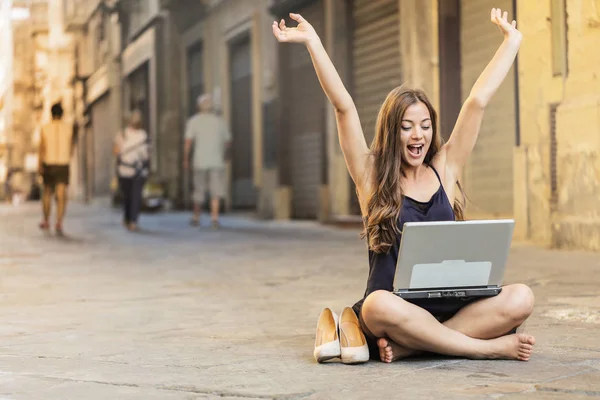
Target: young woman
point(408, 175)
point(132, 148)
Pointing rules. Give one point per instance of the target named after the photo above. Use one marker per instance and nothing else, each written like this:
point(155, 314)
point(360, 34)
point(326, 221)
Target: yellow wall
point(224, 23)
point(576, 221)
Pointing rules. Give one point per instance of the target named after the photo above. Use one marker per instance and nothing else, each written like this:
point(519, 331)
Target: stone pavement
point(177, 312)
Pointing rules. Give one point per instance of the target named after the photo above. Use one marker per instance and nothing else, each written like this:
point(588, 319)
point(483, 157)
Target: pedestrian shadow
point(64, 238)
point(70, 239)
point(150, 232)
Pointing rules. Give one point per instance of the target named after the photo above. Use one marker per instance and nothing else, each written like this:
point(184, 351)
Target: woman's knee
point(519, 302)
point(379, 308)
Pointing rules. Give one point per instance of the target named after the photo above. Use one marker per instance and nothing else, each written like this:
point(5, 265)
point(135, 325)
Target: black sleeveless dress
point(382, 267)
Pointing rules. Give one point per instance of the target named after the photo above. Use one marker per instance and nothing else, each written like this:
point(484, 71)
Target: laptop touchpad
point(451, 273)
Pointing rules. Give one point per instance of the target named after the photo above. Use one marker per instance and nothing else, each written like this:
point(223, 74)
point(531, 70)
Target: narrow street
point(176, 312)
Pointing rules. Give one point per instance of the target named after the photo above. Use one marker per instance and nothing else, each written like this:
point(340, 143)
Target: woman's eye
point(406, 128)
point(426, 127)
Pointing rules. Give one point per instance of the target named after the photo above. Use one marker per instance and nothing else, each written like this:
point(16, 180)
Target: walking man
point(211, 139)
point(55, 151)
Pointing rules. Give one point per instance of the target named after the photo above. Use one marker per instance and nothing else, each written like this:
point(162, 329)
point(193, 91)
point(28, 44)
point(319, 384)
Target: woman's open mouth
point(415, 150)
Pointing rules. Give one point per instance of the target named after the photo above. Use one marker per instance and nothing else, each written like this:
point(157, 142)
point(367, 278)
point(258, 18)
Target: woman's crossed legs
point(479, 330)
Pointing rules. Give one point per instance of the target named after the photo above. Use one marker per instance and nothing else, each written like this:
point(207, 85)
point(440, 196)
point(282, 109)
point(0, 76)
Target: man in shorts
point(210, 138)
point(55, 151)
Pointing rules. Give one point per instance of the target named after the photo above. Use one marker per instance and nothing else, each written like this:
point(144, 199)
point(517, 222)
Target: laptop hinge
point(443, 289)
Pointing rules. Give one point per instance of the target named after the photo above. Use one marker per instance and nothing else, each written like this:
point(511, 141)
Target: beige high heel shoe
point(354, 346)
point(327, 342)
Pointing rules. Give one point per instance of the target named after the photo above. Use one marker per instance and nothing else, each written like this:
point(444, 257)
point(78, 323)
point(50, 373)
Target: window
point(559, 38)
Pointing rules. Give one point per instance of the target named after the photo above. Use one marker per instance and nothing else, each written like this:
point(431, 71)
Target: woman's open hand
point(509, 30)
point(303, 33)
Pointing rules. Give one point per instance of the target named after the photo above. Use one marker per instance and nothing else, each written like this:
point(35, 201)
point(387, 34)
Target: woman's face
point(415, 134)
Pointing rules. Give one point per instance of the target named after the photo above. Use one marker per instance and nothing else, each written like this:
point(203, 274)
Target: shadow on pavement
point(65, 238)
point(149, 232)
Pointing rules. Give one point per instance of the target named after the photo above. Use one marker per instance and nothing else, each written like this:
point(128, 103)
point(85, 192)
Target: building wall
point(6, 89)
point(140, 13)
point(225, 21)
point(100, 119)
point(23, 125)
point(419, 46)
point(44, 68)
point(75, 14)
point(572, 219)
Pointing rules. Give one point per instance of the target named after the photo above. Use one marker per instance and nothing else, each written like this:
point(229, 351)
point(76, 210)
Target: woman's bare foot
point(513, 347)
point(390, 351)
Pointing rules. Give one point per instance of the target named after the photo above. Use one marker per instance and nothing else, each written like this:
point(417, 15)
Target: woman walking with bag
point(132, 148)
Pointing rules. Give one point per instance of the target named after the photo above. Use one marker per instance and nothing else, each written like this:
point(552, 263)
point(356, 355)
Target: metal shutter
point(243, 191)
point(376, 59)
point(489, 173)
point(376, 55)
point(305, 102)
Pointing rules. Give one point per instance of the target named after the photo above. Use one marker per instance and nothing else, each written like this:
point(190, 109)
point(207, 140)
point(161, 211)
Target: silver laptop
point(452, 258)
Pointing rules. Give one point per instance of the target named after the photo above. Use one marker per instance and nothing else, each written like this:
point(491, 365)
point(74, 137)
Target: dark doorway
point(450, 82)
point(243, 193)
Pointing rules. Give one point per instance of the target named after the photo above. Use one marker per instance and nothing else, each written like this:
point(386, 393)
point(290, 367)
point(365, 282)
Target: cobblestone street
point(176, 312)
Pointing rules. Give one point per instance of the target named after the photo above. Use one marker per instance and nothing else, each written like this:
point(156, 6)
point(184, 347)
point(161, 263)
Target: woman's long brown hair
point(385, 203)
